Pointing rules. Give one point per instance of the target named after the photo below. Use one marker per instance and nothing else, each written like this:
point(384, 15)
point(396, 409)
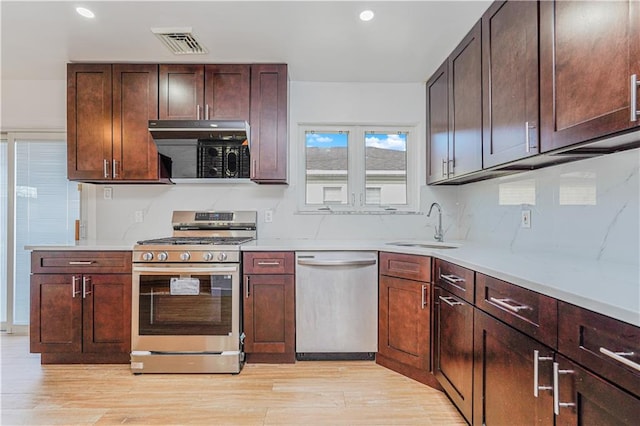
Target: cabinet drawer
point(72, 261)
point(268, 262)
point(601, 344)
point(455, 279)
point(407, 266)
point(532, 313)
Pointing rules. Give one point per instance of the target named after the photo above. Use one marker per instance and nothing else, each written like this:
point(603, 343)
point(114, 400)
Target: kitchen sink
point(422, 245)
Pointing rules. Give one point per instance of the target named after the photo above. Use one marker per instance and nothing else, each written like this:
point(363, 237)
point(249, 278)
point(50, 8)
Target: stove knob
point(162, 256)
point(222, 256)
point(208, 256)
point(185, 256)
point(147, 257)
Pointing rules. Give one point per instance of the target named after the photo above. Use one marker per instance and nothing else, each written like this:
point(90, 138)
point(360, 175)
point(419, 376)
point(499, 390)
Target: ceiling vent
point(180, 41)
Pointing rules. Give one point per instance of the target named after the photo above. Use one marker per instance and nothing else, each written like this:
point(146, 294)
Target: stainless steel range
point(186, 295)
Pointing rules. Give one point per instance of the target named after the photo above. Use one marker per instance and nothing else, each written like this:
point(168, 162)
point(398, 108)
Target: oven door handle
point(172, 270)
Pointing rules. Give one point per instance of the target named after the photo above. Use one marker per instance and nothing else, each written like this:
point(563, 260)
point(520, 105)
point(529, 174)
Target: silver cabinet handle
point(206, 111)
point(115, 169)
point(513, 308)
point(444, 167)
point(86, 283)
point(451, 168)
point(450, 300)
point(620, 357)
point(634, 97)
point(253, 169)
point(556, 389)
point(197, 112)
point(247, 291)
point(273, 263)
point(424, 296)
point(536, 374)
point(452, 279)
point(81, 262)
point(528, 126)
point(74, 292)
point(105, 164)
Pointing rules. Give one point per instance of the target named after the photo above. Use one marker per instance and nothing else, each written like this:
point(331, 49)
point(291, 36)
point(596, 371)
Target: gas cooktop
point(214, 241)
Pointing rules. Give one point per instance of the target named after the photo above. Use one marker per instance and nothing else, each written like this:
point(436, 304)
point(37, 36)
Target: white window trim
point(356, 179)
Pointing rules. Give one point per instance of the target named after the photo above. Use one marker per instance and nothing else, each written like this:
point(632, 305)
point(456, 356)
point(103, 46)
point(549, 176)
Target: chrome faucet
point(438, 235)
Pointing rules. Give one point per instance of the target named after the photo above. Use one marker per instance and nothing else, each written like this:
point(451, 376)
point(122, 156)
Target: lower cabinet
point(404, 320)
point(269, 307)
point(83, 316)
point(453, 348)
point(509, 387)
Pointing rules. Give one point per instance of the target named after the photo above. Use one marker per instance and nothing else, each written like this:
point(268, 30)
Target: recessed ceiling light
point(85, 12)
point(366, 15)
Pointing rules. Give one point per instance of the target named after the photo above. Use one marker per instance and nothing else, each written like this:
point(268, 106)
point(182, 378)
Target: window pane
point(4, 166)
point(326, 167)
point(385, 168)
point(47, 206)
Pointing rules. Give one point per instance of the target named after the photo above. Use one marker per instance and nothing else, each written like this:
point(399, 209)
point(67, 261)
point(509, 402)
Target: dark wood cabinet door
point(226, 92)
point(269, 123)
point(510, 82)
point(106, 313)
point(465, 105)
point(181, 92)
point(269, 314)
point(89, 139)
point(56, 313)
point(404, 321)
point(503, 374)
point(453, 348)
point(586, 399)
point(135, 102)
point(588, 52)
point(438, 124)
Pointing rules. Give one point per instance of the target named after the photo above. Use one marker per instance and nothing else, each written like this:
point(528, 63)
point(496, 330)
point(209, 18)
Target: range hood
point(199, 129)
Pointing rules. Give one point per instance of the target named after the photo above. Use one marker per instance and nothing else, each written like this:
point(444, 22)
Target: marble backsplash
point(587, 208)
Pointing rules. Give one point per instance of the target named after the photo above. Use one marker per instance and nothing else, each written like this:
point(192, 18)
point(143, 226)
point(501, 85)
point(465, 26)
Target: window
point(39, 206)
point(358, 169)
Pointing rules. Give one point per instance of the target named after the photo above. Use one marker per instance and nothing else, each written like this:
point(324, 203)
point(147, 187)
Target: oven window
point(178, 305)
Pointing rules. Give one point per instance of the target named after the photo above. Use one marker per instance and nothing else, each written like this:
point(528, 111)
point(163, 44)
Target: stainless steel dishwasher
point(336, 305)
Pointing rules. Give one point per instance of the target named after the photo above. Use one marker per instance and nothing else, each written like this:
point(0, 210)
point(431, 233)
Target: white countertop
point(604, 287)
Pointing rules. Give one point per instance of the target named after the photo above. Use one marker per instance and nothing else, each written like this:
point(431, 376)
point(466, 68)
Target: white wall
point(604, 231)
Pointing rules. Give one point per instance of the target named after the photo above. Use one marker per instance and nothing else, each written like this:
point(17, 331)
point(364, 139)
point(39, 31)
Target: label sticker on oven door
point(184, 286)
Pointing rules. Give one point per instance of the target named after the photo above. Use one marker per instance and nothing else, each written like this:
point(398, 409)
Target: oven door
point(186, 308)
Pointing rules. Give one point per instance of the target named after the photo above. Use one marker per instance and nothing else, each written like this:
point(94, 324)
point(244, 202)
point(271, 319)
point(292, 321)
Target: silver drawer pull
point(424, 296)
point(556, 389)
point(81, 262)
point(450, 300)
point(269, 263)
point(451, 278)
point(509, 306)
point(620, 357)
point(635, 84)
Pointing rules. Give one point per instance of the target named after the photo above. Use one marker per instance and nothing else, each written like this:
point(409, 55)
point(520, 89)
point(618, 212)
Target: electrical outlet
point(268, 216)
point(108, 193)
point(139, 216)
point(525, 219)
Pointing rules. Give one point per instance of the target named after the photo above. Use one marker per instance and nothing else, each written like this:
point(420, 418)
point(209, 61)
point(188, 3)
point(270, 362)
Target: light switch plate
point(268, 216)
point(525, 219)
point(139, 216)
point(108, 193)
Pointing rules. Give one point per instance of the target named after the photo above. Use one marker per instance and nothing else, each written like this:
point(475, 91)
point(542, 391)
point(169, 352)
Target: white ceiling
point(321, 41)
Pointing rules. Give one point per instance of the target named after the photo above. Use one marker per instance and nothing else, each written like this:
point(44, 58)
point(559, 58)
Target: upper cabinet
point(589, 56)
point(269, 141)
point(204, 92)
point(454, 112)
point(108, 109)
point(510, 81)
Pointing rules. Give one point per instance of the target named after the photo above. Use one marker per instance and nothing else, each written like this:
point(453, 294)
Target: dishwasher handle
point(337, 262)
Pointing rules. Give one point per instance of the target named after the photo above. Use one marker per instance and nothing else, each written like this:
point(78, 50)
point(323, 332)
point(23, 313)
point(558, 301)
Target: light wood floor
point(306, 393)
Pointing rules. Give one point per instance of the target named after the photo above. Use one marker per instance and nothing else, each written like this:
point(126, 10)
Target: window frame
point(356, 173)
